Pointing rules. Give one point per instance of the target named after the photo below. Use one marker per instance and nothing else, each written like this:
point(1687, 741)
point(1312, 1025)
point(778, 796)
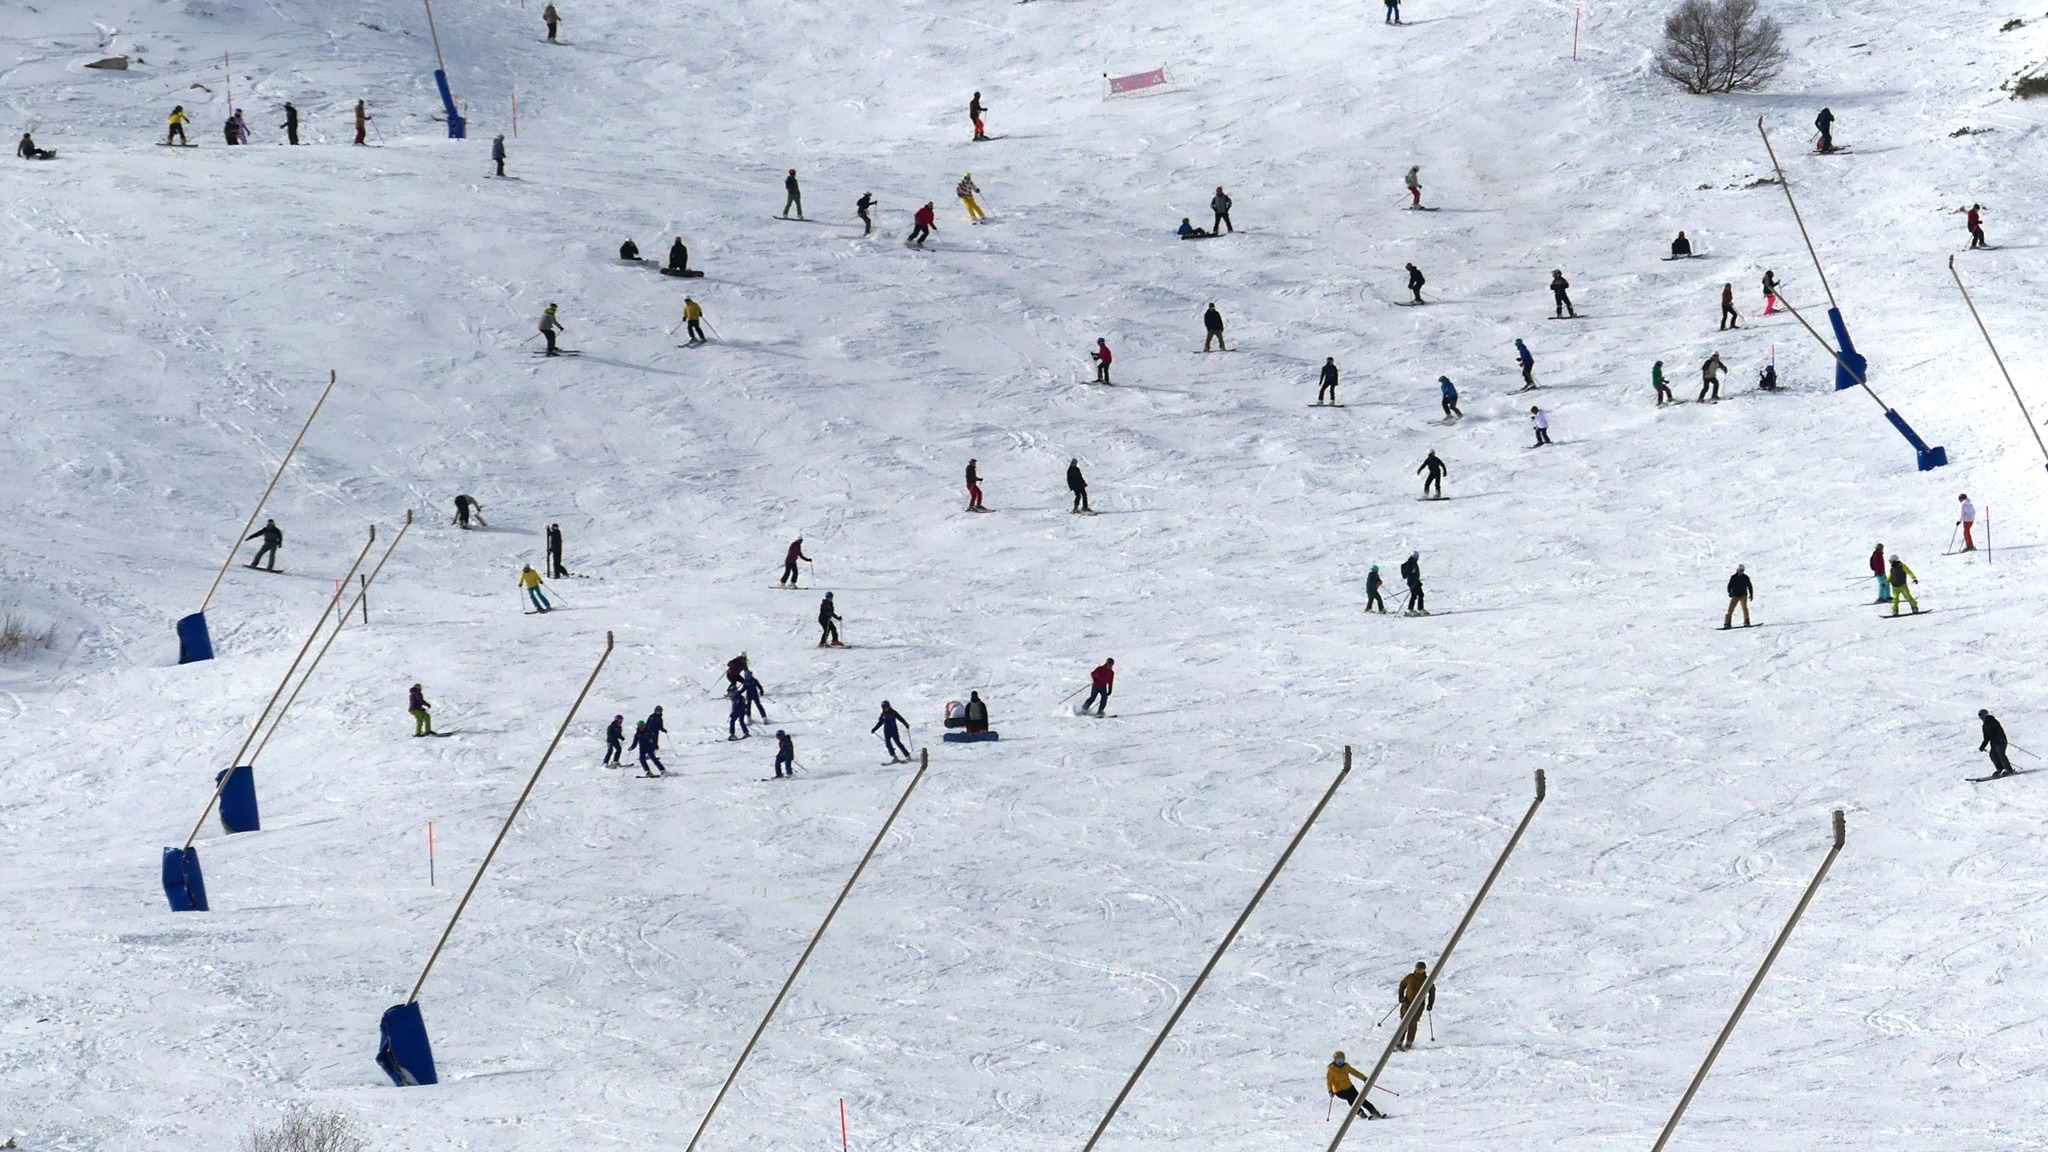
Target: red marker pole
point(1575, 33)
point(430, 853)
point(842, 1100)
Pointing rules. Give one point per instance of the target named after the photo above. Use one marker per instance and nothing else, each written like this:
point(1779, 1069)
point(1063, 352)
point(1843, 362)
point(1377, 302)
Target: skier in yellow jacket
point(967, 191)
point(693, 317)
point(1411, 986)
point(530, 580)
point(1337, 1078)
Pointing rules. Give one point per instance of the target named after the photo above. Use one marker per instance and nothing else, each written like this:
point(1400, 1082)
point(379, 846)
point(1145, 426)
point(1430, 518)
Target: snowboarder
point(1411, 571)
point(1393, 12)
point(678, 257)
point(1994, 742)
point(273, 539)
point(291, 124)
point(828, 624)
point(1877, 569)
point(1974, 218)
point(1560, 294)
point(629, 251)
point(556, 569)
point(1412, 986)
point(753, 691)
point(1664, 395)
point(974, 717)
point(1102, 358)
point(553, 19)
point(647, 745)
point(1826, 123)
point(1681, 247)
point(530, 580)
point(1373, 582)
point(1710, 378)
point(1450, 398)
point(967, 190)
point(1413, 180)
point(888, 723)
point(1415, 283)
point(1729, 316)
point(861, 208)
point(1187, 231)
point(238, 128)
point(1740, 593)
point(1212, 324)
point(973, 487)
point(1220, 205)
point(498, 152)
point(693, 319)
point(27, 149)
point(1326, 389)
point(1900, 577)
point(1338, 1076)
point(793, 196)
point(975, 108)
point(789, 559)
point(466, 509)
point(1078, 485)
point(1434, 481)
point(549, 325)
point(363, 119)
point(1541, 420)
point(1527, 360)
point(614, 741)
point(1770, 291)
point(1767, 380)
point(923, 224)
point(1101, 682)
point(178, 121)
point(422, 712)
point(1968, 519)
point(736, 717)
point(785, 755)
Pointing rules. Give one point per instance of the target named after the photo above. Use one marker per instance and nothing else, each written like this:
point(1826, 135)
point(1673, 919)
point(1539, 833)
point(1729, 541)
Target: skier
point(614, 741)
point(466, 508)
point(1078, 485)
point(1770, 291)
point(498, 152)
point(1968, 519)
point(1826, 123)
point(753, 691)
point(974, 487)
point(629, 251)
point(789, 559)
point(363, 119)
point(1412, 986)
point(1560, 294)
point(887, 723)
point(1528, 363)
point(549, 325)
point(1994, 741)
point(238, 128)
point(1974, 218)
point(923, 225)
point(1102, 358)
point(1413, 180)
point(422, 712)
point(785, 755)
point(1212, 324)
point(737, 716)
point(1541, 420)
point(1411, 571)
point(556, 569)
point(1877, 569)
point(273, 539)
point(1664, 395)
point(828, 624)
point(530, 580)
point(1338, 1076)
point(1393, 12)
point(27, 149)
point(1900, 577)
point(793, 196)
point(736, 669)
point(554, 20)
point(291, 124)
point(1220, 205)
point(178, 121)
point(966, 190)
point(1450, 399)
point(647, 745)
point(678, 257)
point(693, 319)
point(1728, 314)
point(1415, 283)
point(861, 208)
point(657, 727)
point(1740, 593)
point(1435, 480)
point(1710, 378)
point(1328, 386)
point(974, 110)
point(1373, 583)
point(1101, 682)
point(1681, 247)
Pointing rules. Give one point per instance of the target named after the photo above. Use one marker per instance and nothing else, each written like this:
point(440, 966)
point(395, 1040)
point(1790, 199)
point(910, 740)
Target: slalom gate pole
point(1415, 1006)
point(1222, 947)
point(322, 654)
point(2010, 386)
point(1755, 982)
point(924, 761)
point(842, 1124)
point(1786, 187)
point(325, 609)
point(260, 500)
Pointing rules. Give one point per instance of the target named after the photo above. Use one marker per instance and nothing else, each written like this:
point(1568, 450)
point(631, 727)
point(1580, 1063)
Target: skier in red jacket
point(1100, 681)
point(789, 559)
point(925, 221)
point(1101, 357)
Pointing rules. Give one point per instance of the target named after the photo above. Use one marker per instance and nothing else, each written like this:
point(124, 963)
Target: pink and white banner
point(1119, 84)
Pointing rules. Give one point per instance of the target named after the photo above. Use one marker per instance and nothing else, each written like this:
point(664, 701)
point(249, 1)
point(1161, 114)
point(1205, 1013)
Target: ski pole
point(558, 595)
point(2017, 748)
point(1390, 1012)
point(1431, 1013)
point(1327, 1108)
point(1070, 696)
point(1952, 537)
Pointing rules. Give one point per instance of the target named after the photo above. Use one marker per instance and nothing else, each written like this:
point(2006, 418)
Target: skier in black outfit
point(1415, 283)
point(1078, 485)
point(614, 741)
point(1560, 293)
point(794, 196)
point(291, 124)
point(753, 691)
point(465, 508)
point(860, 209)
point(645, 744)
point(1994, 740)
point(498, 152)
point(738, 715)
point(828, 624)
point(629, 251)
point(1220, 205)
point(891, 740)
point(785, 755)
point(1328, 386)
point(555, 568)
point(1826, 123)
point(1411, 571)
point(273, 539)
point(678, 257)
point(1435, 479)
point(1372, 591)
point(1740, 592)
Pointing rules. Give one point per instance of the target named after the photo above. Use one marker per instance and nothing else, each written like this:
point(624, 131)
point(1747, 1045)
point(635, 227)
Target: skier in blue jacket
point(1528, 363)
point(890, 720)
point(1450, 392)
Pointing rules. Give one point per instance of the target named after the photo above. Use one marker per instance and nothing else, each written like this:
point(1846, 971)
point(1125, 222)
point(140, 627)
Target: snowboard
point(687, 273)
point(1669, 259)
point(1416, 208)
point(1906, 615)
point(1329, 405)
point(559, 352)
point(272, 571)
point(168, 144)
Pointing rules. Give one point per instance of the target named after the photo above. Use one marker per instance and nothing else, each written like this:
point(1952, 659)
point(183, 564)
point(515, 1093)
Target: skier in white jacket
point(1541, 420)
point(1967, 517)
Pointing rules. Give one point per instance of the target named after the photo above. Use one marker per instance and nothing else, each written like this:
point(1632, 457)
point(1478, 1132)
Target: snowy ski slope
point(1026, 929)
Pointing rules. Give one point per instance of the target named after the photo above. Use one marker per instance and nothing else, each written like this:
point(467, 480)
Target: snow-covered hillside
point(1028, 926)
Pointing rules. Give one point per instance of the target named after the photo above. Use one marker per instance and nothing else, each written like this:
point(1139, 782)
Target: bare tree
point(304, 1130)
point(1720, 46)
